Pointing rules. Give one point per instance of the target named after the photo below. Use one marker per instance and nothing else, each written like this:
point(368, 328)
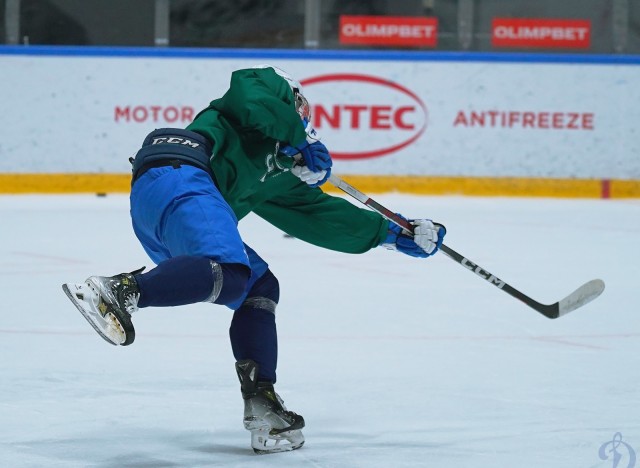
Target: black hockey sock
point(253, 328)
point(254, 336)
point(187, 279)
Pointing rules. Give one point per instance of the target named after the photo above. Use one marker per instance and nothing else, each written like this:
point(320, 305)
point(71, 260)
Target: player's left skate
point(273, 428)
point(107, 303)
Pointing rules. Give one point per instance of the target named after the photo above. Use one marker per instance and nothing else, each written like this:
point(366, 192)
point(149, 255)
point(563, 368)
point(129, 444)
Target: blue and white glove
point(426, 240)
point(315, 166)
point(313, 179)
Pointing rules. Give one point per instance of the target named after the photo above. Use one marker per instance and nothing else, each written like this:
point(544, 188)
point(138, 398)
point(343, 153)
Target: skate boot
point(107, 303)
point(273, 428)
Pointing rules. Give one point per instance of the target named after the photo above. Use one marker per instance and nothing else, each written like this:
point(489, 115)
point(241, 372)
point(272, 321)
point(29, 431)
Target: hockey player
point(252, 150)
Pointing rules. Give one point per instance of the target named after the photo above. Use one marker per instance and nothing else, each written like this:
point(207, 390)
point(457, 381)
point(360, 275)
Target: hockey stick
point(581, 296)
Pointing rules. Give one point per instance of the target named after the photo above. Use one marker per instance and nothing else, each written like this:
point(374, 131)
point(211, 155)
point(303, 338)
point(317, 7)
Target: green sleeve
point(260, 100)
point(320, 219)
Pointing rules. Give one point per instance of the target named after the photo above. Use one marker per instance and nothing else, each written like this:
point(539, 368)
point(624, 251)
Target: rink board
point(413, 122)
point(416, 185)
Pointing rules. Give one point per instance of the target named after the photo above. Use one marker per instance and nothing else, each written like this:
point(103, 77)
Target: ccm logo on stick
point(364, 116)
point(481, 273)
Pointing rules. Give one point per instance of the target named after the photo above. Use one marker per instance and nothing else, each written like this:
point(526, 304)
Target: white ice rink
point(393, 362)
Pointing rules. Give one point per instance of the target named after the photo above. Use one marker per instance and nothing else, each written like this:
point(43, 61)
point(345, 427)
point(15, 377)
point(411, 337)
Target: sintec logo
point(363, 116)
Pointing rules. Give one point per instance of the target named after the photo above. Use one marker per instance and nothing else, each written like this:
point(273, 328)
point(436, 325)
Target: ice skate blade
point(86, 301)
point(264, 444)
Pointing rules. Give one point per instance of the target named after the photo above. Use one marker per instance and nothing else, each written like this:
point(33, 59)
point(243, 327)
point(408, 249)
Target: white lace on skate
point(86, 298)
point(102, 286)
point(131, 303)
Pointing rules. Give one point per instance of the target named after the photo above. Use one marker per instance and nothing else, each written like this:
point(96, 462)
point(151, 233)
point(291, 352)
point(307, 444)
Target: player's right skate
point(107, 303)
point(273, 428)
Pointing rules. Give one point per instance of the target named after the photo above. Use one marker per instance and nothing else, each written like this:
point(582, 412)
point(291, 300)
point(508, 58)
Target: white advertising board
point(89, 114)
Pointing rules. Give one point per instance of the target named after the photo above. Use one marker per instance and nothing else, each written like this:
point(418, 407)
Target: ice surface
point(392, 361)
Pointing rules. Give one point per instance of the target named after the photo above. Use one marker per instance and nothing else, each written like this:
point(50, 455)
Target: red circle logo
point(363, 116)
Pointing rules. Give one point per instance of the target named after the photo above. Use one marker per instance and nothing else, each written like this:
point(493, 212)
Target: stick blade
point(581, 296)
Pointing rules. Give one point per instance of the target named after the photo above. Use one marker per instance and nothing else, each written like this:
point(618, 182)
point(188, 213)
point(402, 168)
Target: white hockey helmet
point(302, 105)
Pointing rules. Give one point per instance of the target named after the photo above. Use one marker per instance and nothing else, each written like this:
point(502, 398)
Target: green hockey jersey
point(247, 126)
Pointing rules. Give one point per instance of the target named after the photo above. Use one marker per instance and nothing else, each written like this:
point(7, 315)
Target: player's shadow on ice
point(143, 447)
point(214, 449)
point(130, 461)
